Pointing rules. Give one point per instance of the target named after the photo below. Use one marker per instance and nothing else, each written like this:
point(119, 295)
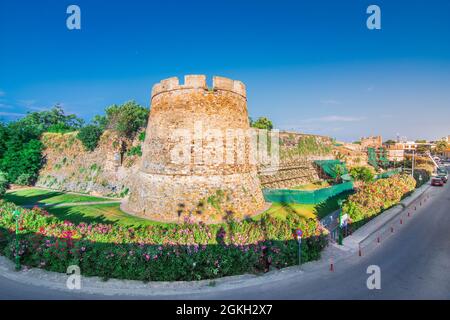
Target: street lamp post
point(16, 215)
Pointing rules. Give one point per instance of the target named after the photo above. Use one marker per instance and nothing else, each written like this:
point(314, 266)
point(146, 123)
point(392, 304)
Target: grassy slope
point(100, 213)
point(33, 196)
point(111, 213)
point(307, 210)
point(312, 186)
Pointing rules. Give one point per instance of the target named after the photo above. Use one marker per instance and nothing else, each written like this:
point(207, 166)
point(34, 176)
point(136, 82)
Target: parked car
point(444, 177)
point(442, 170)
point(436, 181)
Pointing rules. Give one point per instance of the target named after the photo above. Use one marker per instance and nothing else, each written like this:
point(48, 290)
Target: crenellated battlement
point(199, 82)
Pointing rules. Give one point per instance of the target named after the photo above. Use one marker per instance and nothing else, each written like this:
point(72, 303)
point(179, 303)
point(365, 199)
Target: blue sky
point(310, 66)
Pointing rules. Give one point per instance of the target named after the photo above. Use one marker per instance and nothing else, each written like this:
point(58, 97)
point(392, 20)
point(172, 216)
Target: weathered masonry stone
point(199, 189)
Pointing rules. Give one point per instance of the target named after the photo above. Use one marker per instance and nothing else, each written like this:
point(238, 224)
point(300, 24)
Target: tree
point(100, 121)
point(389, 142)
point(339, 169)
point(126, 119)
point(423, 148)
point(362, 174)
point(89, 136)
point(262, 123)
point(24, 158)
point(54, 119)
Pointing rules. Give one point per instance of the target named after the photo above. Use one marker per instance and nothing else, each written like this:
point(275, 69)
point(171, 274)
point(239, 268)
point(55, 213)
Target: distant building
point(410, 146)
point(406, 146)
point(395, 154)
point(446, 154)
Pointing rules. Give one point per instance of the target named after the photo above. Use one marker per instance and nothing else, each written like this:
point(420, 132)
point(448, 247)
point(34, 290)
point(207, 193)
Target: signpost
point(344, 222)
point(16, 215)
point(340, 237)
point(299, 234)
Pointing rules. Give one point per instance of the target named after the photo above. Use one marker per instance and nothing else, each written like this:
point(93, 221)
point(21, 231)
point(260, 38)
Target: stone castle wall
point(68, 166)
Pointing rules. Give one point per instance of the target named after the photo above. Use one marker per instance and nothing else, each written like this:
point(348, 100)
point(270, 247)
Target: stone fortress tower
point(191, 165)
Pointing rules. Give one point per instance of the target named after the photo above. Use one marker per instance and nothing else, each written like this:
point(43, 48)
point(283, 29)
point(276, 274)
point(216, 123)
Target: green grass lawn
point(31, 196)
point(100, 213)
point(280, 210)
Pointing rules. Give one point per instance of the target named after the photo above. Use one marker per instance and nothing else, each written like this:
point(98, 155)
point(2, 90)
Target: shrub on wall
point(169, 252)
point(261, 123)
point(372, 198)
point(364, 174)
point(127, 118)
point(135, 151)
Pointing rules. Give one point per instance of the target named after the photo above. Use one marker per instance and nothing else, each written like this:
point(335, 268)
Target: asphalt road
point(414, 264)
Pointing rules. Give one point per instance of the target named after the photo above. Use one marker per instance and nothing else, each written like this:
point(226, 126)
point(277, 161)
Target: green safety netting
point(331, 167)
point(306, 196)
point(382, 158)
point(372, 155)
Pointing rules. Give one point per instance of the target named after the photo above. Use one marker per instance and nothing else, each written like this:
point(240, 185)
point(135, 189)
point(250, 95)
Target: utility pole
point(412, 165)
point(340, 236)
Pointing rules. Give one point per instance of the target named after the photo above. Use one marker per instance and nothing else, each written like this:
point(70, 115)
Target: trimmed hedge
point(423, 173)
point(159, 253)
point(373, 198)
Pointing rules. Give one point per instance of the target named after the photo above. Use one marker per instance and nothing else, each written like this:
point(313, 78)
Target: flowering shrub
point(422, 175)
point(372, 198)
point(158, 252)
